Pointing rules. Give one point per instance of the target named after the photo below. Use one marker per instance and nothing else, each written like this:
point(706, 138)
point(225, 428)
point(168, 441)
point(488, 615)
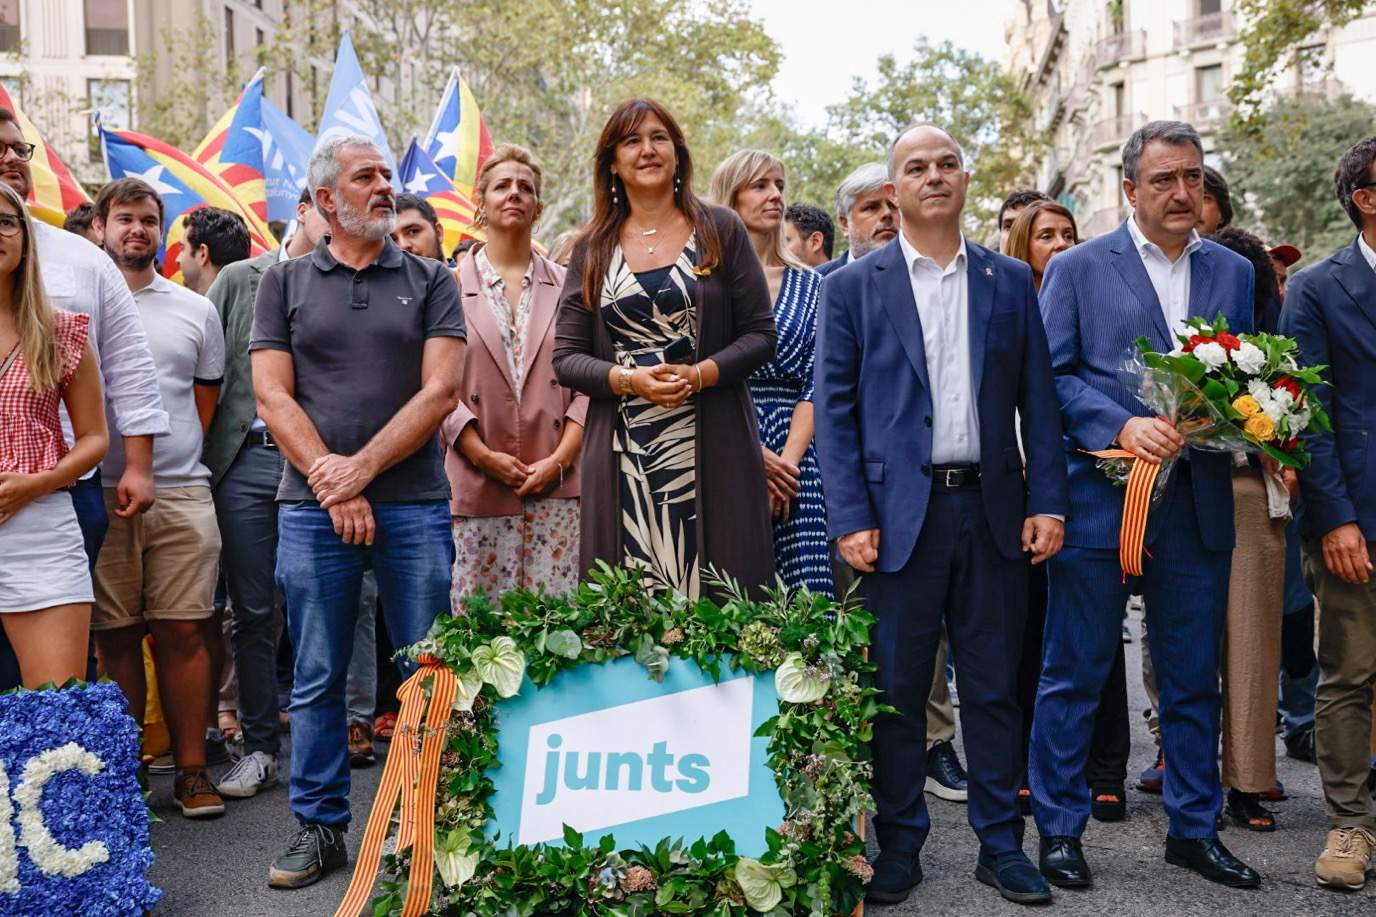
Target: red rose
point(1290, 385)
point(1195, 341)
point(1228, 341)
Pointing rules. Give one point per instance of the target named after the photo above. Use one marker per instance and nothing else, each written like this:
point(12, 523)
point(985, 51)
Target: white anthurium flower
point(1249, 358)
point(453, 859)
point(501, 664)
point(469, 683)
point(1212, 355)
point(797, 683)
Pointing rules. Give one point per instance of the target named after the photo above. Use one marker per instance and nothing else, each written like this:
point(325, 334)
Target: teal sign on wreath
point(606, 750)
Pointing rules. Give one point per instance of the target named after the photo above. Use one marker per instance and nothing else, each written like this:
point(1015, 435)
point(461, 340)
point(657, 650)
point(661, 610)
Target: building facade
point(1096, 70)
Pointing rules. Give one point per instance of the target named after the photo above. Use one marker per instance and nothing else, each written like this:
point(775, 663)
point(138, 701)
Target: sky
point(841, 40)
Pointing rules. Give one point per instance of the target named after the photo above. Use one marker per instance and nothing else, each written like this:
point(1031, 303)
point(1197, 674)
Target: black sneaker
point(313, 851)
point(216, 749)
point(945, 777)
point(1300, 744)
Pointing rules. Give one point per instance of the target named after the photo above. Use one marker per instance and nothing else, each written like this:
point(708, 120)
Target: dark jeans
point(320, 576)
point(89, 502)
point(246, 508)
point(1111, 745)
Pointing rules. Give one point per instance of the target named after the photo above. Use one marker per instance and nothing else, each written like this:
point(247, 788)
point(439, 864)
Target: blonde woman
point(45, 583)
point(752, 183)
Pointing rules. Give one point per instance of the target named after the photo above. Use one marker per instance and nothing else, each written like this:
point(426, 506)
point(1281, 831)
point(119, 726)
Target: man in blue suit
point(1331, 311)
point(864, 213)
point(927, 348)
point(1141, 280)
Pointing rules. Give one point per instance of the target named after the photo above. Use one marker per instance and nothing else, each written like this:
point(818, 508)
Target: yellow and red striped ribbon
point(1133, 532)
point(412, 773)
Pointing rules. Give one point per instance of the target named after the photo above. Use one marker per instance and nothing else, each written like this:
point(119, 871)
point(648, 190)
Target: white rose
point(1212, 355)
point(1249, 358)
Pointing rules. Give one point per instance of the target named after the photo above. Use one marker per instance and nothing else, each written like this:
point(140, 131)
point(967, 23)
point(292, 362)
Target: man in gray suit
point(245, 468)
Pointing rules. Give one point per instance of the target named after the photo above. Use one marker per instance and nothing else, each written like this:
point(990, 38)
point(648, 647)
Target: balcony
point(1320, 89)
point(1206, 30)
point(1112, 132)
point(1205, 116)
point(1102, 221)
point(1119, 47)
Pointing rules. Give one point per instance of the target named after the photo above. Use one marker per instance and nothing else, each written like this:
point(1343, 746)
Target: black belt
point(260, 438)
point(955, 477)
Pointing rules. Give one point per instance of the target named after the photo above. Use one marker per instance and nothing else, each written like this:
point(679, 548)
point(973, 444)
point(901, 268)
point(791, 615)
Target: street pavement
point(220, 867)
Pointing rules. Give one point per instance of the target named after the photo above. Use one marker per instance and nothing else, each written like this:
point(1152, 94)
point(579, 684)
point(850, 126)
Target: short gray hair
point(1174, 133)
point(872, 176)
point(893, 166)
point(324, 168)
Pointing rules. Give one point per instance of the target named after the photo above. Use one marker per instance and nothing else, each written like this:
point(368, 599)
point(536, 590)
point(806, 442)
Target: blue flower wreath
point(77, 808)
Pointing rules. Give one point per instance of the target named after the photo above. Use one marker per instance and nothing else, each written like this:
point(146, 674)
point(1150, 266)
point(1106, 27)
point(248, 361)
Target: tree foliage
point(1273, 29)
point(1281, 171)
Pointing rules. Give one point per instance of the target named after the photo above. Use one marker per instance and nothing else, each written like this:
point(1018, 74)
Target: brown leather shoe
point(361, 745)
point(1345, 857)
point(196, 795)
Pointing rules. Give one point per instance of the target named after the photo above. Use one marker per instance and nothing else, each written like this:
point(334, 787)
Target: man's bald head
point(925, 130)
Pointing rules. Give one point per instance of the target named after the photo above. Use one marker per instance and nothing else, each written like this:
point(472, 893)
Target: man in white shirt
point(156, 572)
point(926, 351)
point(78, 277)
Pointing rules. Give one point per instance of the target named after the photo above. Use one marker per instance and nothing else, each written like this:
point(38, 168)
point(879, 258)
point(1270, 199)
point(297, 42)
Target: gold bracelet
point(625, 381)
point(698, 369)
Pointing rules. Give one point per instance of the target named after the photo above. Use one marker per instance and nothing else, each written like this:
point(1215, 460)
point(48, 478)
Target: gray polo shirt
point(356, 340)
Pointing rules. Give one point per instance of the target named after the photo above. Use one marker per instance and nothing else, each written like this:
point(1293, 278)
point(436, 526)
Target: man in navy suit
point(1142, 280)
point(1331, 311)
point(927, 348)
point(865, 214)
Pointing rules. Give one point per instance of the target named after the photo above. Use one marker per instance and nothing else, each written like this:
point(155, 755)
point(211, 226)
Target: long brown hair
point(33, 313)
point(603, 231)
point(1020, 235)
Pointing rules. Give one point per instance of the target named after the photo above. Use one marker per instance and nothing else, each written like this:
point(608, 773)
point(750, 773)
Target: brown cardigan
point(736, 330)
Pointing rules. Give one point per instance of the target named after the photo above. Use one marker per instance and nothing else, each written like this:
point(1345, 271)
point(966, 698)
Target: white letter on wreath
point(9, 858)
point(47, 854)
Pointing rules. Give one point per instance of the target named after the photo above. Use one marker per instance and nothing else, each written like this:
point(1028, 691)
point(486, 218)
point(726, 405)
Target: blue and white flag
point(349, 107)
point(286, 151)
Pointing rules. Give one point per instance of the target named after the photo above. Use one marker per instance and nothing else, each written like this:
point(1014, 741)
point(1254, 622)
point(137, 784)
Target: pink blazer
point(529, 429)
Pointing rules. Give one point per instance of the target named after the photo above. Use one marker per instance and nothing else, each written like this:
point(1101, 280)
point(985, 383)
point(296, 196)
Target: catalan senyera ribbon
point(411, 775)
point(1133, 532)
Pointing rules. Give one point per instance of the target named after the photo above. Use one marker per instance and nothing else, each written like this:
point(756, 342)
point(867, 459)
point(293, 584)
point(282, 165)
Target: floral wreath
point(815, 860)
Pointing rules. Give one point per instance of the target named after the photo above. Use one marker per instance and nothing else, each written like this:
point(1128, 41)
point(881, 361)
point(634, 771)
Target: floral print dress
point(539, 548)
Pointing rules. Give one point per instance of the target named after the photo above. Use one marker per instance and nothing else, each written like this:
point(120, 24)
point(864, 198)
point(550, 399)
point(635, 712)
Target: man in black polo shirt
point(357, 351)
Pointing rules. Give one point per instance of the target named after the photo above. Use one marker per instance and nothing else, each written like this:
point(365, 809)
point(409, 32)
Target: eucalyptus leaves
point(814, 862)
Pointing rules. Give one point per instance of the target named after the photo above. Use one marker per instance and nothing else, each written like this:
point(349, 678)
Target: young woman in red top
point(45, 583)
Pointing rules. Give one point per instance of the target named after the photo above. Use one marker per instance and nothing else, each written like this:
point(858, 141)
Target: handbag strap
point(9, 360)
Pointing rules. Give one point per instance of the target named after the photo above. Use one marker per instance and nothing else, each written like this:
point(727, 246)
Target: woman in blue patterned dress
point(751, 182)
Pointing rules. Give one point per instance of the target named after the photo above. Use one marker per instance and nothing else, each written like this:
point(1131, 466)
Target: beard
point(362, 223)
point(133, 262)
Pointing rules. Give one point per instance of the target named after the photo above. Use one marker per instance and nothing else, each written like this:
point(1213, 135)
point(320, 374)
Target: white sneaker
point(254, 772)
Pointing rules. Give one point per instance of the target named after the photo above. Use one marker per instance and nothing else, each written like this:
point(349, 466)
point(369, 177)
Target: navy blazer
point(873, 402)
point(833, 264)
point(1330, 310)
point(1096, 300)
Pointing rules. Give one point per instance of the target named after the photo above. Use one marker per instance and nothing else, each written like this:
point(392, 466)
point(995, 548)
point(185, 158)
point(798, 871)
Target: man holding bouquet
point(1331, 312)
point(1142, 280)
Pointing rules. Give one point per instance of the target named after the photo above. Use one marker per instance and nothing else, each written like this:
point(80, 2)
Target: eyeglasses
point(21, 150)
point(10, 225)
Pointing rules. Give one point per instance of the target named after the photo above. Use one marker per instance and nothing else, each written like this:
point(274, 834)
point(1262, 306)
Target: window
point(229, 35)
point(9, 25)
point(1312, 65)
point(260, 46)
point(1210, 7)
point(1120, 99)
point(107, 27)
point(110, 98)
point(1208, 83)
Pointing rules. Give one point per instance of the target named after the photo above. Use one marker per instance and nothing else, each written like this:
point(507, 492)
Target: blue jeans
point(320, 577)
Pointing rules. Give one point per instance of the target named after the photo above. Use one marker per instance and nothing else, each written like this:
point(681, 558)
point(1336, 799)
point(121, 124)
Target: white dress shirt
point(1170, 279)
point(79, 277)
point(943, 309)
point(1367, 253)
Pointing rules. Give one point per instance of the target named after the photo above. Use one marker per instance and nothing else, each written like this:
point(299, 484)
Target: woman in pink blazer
point(514, 438)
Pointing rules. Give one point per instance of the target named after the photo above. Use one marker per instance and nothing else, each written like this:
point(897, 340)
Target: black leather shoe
point(1300, 744)
point(895, 877)
point(1208, 857)
point(1063, 862)
point(945, 776)
point(1014, 876)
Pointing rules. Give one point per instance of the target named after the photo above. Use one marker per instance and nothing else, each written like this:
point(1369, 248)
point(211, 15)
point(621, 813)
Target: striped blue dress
point(800, 544)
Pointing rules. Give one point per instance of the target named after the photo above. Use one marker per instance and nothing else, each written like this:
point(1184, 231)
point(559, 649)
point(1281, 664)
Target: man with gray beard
point(865, 213)
point(357, 351)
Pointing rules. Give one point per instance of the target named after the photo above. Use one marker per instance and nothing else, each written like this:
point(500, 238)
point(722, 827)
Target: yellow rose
point(1260, 428)
point(1246, 405)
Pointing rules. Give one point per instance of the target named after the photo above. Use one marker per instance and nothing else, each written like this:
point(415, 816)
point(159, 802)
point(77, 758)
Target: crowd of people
point(248, 470)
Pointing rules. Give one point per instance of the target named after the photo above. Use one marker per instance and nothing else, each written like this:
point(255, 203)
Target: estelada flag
point(54, 190)
point(234, 148)
point(458, 140)
point(183, 184)
point(419, 175)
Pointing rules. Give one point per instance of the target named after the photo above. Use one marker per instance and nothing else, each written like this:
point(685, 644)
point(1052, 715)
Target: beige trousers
point(1250, 659)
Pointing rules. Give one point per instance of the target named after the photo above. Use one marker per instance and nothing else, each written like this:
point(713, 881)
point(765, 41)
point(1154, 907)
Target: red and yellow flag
point(55, 191)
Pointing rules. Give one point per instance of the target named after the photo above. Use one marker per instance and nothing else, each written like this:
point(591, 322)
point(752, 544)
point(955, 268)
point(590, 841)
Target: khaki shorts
point(160, 565)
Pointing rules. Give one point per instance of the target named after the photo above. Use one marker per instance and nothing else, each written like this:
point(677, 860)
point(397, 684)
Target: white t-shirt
point(188, 348)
